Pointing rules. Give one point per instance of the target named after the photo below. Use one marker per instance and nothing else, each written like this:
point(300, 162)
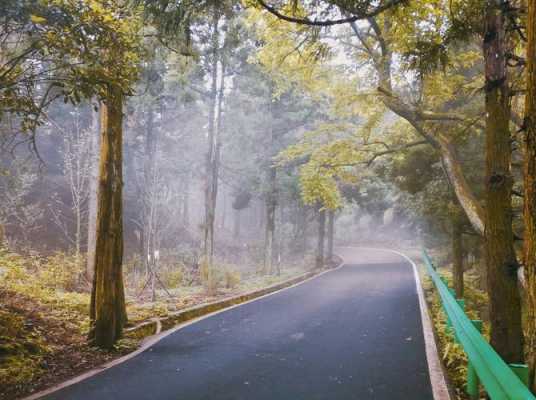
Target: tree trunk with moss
point(107, 309)
point(457, 254)
point(530, 190)
point(505, 302)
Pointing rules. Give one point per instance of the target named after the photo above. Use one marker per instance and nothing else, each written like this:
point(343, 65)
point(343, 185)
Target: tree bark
point(505, 302)
point(482, 267)
point(186, 202)
point(319, 261)
point(271, 204)
point(236, 228)
point(302, 228)
point(107, 309)
point(529, 211)
point(214, 150)
point(93, 189)
point(457, 254)
point(148, 191)
point(208, 247)
point(331, 233)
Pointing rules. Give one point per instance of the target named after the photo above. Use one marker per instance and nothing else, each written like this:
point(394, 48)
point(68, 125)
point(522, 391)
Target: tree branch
point(310, 22)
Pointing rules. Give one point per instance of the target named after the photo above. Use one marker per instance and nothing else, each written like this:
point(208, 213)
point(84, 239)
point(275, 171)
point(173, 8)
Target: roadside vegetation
point(158, 154)
point(44, 315)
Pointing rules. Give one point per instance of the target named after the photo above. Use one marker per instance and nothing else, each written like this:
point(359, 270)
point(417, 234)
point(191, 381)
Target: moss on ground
point(22, 348)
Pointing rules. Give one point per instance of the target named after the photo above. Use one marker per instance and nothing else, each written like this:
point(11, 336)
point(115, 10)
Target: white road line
point(437, 378)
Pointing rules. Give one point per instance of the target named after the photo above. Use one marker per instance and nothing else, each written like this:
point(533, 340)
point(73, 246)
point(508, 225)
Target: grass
point(44, 307)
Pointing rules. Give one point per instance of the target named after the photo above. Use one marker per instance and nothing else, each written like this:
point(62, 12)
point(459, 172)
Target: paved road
point(354, 333)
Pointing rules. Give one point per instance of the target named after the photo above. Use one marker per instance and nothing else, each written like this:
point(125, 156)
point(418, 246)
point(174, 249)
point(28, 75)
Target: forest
point(166, 157)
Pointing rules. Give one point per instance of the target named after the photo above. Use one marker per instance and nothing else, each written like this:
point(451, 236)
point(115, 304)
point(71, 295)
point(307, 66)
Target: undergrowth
point(44, 308)
point(452, 353)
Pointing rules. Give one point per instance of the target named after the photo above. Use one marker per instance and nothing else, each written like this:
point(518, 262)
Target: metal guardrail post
point(461, 303)
point(500, 380)
point(522, 372)
point(473, 383)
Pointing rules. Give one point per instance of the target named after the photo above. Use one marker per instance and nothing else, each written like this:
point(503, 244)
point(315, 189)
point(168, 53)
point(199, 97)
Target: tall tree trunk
point(482, 266)
point(319, 261)
point(271, 204)
point(236, 229)
point(529, 211)
point(186, 202)
point(148, 190)
point(223, 209)
point(331, 233)
point(213, 154)
point(107, 309)
point(505, 302)
point(271, 192)
point(93, 189)
point(303, 229)
point(457, 253)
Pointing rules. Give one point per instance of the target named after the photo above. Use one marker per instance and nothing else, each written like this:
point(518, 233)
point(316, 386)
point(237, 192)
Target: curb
point(156, 325)
point(182, 319)
point(437, 377)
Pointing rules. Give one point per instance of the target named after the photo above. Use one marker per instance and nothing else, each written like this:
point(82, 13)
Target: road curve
point(354, 333)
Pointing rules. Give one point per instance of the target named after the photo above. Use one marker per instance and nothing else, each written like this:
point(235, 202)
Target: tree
point(529, 210)
point(214, 145)
point(331, 233)
point(93, 189)
point(319, 258)
point(108, 310)
point(380, 38)
point(505, 301)
point(457, 251)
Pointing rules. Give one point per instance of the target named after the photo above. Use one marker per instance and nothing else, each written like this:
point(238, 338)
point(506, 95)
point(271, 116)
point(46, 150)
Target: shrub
point(63, 271)
point(231, 277)
point(172, 278)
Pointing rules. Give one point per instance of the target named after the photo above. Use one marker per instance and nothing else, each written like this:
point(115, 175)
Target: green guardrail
point(500, 380)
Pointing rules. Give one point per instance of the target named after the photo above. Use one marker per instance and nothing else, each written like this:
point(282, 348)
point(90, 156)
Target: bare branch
point(306, 21)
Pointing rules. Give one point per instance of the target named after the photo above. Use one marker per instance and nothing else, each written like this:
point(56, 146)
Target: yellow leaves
point(327, 164)
point(101, 44)
point(96, 7)
point(292, 54)
point(36, 19)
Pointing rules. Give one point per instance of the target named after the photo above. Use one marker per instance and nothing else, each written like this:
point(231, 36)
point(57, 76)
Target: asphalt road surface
point(353, 333)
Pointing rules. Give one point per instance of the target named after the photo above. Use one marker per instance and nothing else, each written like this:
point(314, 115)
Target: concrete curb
point(156, 325)
point(163, 327)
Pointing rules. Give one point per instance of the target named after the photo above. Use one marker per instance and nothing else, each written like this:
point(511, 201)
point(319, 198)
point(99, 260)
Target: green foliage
point(22, 349)
point(63, 272)
point(173, 278)
point(46, 280)
point(73, 48)
point(231, 278)
point(451, 353)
